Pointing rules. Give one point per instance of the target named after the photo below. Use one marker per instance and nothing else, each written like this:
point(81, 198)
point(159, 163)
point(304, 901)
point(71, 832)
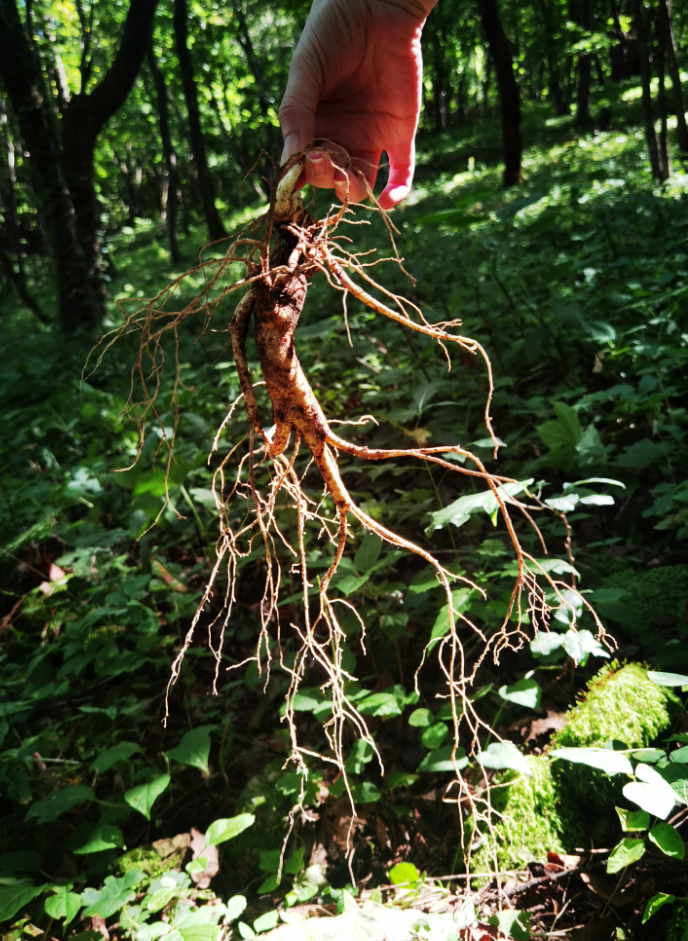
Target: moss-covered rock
point(621, 703)
point(563, 806)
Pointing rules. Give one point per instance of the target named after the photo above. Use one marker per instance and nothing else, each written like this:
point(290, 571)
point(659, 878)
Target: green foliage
point(621, 704)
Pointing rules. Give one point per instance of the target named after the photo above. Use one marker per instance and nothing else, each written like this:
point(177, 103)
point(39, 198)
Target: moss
point(155, 859)
point(651, 594)
point(621, 703)
point(677, 929)
point(563, 806)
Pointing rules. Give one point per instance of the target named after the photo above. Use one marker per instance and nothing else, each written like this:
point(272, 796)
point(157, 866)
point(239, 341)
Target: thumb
point(297, 111)
point(402, 162)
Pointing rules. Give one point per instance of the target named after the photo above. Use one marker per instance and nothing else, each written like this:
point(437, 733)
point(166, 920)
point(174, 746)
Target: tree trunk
point(18, 282)
point(84, 120)
point(509, 96)
point(658, 171)
point(583, 119)
point(20, 70)
point(668, 43)
point(8, 197)
point(168, 153)
point(216, 230)
point(66, 174)
point(555, 92)
point(664, 156)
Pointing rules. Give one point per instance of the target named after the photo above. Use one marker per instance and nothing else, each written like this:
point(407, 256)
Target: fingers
point(325, 171)
point(402, 161)
point(297, 111)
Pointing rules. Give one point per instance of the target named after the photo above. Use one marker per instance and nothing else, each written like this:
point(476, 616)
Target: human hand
point(355, 78)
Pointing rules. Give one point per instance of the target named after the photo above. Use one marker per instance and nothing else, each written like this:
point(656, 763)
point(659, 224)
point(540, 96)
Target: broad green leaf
point(160, 899)
point(380, 704)
point(106, 759)
point(667, 679)
point(368, 552)
point(649, 755)
point(439, 760)
point(512, 923)
point(306, 700)
point(433, 736)
point(15, 896)
point(365, 793)
point(115, 894)
point(403, 872)
point(227, 828)
point(502, 755)
point(201, 932)
point(651, 792)
point(633, 819)
point(294, 864)
point(246, 931)
point(525, 692)
point(546, 643)
point(564, 433)
point(596, 480)
point(143, 796)
point(461, 598)
point(668, 839)
point(104, 837)
point(269, 860)
point(359, 756)
point(680, 755)
point(59, 802)
point(235, 906)
point(289, 784)
point(399, 779)
point(266, 922)
point(676, 776)
point(269, 884)
point(579, 645)
point(655, 903)
point(193, 749)
point(421, 718)
point(606, 760)
point(64, 904)
point(628, 851)
point(351, 583)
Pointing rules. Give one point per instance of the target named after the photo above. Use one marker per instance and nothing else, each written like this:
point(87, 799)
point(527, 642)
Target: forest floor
point(576, 283)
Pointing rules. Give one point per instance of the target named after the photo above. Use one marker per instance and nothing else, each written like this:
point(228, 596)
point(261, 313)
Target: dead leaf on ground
point(200, 850)
point(553, 722)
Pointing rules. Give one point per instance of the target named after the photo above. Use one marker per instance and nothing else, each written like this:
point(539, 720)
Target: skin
point(355, 81)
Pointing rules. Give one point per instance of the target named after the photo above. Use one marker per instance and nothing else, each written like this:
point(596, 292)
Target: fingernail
point(291, 146)
point(339, 176)
point(317, 164)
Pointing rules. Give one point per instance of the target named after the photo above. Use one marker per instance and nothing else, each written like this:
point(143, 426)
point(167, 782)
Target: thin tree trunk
point(66, 174)
point(169, 154)
point(85, 118)
point(666, 38)
point(583, 118)
point(8, 196)
point(18, 282)
point(664, 155)
point(21, 73)
point(509, 96)
point(216, 229)
point(648, 118)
